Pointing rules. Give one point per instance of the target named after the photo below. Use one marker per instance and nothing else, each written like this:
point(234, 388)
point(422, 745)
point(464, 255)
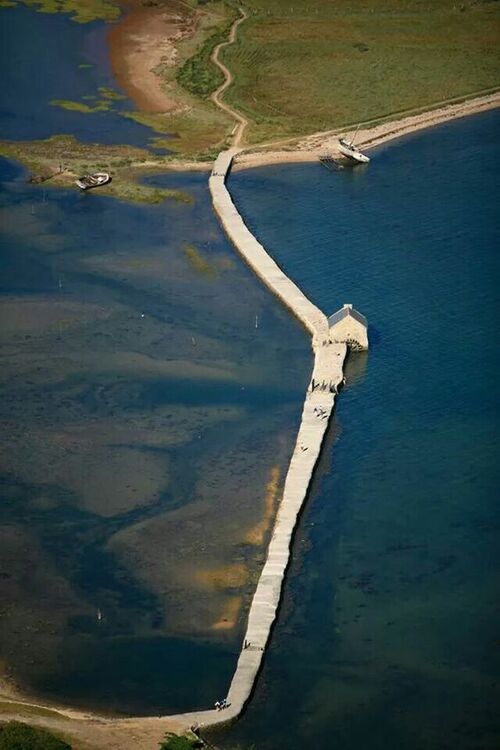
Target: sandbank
point(144, 40)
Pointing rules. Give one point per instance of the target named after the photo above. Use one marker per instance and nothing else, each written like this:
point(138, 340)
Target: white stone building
point(348, 326)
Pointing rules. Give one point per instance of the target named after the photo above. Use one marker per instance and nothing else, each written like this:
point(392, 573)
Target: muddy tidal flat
point(146, 433)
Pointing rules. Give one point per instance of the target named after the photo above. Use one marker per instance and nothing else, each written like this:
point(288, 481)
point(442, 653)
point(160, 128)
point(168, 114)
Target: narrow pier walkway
point(319, 402)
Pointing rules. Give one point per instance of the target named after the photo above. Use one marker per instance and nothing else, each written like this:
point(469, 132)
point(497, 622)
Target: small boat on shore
point(89, 181)
point(349, 150)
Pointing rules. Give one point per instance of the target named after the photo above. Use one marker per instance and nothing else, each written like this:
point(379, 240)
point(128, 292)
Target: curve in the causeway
point(326, 377)
point(228, 79)
point(320, 398)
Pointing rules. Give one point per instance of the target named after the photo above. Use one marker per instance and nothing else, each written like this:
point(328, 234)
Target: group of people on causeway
point(220, 705)
point(320, 412)
point(331, 387)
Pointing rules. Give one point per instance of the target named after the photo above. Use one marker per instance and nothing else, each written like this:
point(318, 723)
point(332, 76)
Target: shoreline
point(142, 40)
point(311, 147)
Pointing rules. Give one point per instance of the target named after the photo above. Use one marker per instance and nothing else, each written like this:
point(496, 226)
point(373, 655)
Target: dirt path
point(216, 96)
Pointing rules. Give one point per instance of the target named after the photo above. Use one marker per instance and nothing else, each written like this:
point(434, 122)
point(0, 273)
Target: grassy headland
point(299, 67)
point(57, 161)
point(310, 65)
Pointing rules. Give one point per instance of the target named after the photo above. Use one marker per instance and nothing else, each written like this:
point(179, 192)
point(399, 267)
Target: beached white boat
point(89, 181)
point(349, 150)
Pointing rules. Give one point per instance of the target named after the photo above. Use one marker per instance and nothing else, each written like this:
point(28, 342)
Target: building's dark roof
point(345, 312)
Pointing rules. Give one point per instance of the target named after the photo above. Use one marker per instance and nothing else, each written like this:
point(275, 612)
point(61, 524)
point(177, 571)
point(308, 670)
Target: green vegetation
point(26, 710)
point(111, 94)
point(198, 74)
point(309, 65)
point(198, 263)
point(108, 98)
point(173, 742)
point(194, 133)
point(198, 127)
point(80, 106)
point(15, 735)
point(81, 11)
point(57, 161)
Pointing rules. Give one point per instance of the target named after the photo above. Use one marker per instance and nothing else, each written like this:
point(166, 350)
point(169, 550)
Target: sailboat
point(349, 150)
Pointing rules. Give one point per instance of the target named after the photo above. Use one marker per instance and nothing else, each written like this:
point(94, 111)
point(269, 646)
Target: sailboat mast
point(354, 136)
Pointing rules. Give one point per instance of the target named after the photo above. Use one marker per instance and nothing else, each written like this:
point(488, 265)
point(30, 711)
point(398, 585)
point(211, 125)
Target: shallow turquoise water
point(388, 636)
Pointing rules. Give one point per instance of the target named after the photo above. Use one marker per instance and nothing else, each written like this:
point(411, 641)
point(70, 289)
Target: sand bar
point(143, 40)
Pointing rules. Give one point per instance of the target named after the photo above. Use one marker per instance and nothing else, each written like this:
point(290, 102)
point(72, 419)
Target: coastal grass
point(81, 11)
point(103, 106)
point(108, 93)
point(175, 742)
point(198, 263)
point(199, 132)
point(25, 710)
point(59, 160)
point(306, 66)
point(106, 100)
point(16, 735)
point(198, 74)
point(197, 129)
point(309, 66)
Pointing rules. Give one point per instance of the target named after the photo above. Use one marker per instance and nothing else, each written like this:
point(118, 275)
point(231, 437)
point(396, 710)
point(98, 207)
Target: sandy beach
point(143, 41)
point(310, 148)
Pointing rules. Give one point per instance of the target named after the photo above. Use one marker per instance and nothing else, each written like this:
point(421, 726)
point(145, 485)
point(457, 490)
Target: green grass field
point(302, 66)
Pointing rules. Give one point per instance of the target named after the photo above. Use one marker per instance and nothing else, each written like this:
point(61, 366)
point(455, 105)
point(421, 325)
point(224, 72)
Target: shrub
point(173, 742)
point(14, 735)
point(199, 75)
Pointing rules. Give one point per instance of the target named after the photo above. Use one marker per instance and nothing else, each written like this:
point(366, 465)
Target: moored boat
point(89, 181)
point(349, 150)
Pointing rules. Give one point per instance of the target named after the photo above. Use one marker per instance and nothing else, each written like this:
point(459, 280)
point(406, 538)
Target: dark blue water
point(388, 636)
point(45, 57)
point(142, 414)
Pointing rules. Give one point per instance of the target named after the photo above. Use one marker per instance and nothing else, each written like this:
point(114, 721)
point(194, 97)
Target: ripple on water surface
point(32, 48)
point(389, 630)
point(147, 423)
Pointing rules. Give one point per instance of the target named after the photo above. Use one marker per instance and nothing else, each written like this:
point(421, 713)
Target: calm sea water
point(46, 57)
point(388, 636)
point(143, 416)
